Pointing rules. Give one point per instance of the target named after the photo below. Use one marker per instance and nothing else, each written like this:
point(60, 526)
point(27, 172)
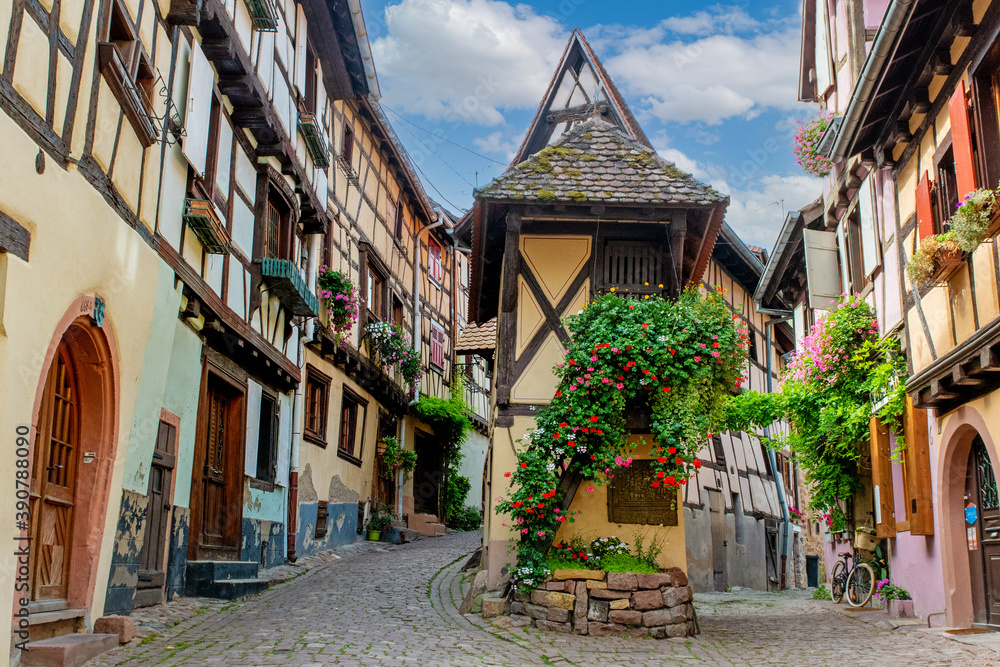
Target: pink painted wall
point(874, 11)
point(915, 560)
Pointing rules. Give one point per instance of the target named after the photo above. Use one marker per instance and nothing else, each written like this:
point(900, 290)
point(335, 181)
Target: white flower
point(571, 436)
point(550, 467)
point(582, 449)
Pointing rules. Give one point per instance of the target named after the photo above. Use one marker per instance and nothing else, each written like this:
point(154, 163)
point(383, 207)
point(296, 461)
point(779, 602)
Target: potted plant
point(898, 600)
point(864, 538)
point(806, 143)
point(391, 345)
point(396, 458)
point(379, 520)
point(341, 299)
point(973, 220)
point(935, 259)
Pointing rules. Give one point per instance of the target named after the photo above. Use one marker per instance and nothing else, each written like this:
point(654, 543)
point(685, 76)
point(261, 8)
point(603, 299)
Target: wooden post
point(507, 317)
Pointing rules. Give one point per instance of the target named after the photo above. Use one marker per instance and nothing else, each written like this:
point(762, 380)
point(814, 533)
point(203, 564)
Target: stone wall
point(615, 603)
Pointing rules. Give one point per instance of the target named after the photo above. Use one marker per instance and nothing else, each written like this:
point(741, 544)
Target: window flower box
point(201, 219)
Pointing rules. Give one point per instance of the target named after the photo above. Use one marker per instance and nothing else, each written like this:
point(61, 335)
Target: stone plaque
point(632, 498)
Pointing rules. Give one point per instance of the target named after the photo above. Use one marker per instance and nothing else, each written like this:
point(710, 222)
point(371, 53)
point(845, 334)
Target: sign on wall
point(632, 498)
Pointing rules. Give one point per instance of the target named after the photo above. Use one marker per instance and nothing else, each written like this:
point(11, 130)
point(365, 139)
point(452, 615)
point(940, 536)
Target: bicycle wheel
point(839, 581)
point(860, 585)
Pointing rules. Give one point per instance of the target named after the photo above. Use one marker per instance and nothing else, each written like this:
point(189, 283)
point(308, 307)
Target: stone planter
point(624, 604)
point(901, 608)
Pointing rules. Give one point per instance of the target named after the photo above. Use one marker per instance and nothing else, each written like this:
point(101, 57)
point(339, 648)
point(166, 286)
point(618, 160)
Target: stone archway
point(82, 362)
point(963, 427)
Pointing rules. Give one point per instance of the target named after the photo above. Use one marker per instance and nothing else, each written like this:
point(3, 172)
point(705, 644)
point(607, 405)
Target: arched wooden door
point(982, 515)
point(53, 482)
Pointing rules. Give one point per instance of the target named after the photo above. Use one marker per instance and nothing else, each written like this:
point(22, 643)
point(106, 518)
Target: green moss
point(587, 137)
point(576, 195)
point(573, 173)
point(587, 157)
point(545, 195)
point(517, 196)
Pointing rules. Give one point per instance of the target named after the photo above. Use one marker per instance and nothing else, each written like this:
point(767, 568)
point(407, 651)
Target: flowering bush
point(826, 394)
point(681, 359)
point(341, 299)
point(392, 345)
point(805, 144)
point(397, 458)
point(796, 513)
point(886, 591)
point(609, 546)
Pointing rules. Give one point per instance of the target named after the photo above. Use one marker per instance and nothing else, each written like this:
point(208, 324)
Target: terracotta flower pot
point(374, 535)
point(901, 608)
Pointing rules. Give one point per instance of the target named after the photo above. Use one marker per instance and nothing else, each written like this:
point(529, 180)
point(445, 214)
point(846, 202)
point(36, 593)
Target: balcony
point(201, 218)
point(263, 15)
point(286, 281)
point(312, 132)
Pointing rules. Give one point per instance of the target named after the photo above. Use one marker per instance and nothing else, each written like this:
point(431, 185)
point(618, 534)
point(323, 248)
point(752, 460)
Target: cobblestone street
point(399, 607)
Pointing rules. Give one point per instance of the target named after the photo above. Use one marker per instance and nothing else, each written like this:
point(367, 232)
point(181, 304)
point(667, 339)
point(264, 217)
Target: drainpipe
point(297, 403)
point(882, 48)
point(777, 316)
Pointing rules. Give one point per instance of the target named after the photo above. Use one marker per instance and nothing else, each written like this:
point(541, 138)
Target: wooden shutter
point(434, 261)
point(300, 50)
point(822, 268)
point(885, 522)
point(925, 212)
point(198, 113)
point(961, 140)
point(870, 249)
point(918, 471)
point(437, 345)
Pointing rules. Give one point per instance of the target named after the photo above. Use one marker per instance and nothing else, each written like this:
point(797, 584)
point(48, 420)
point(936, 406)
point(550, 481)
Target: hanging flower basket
point(935, 260)
point(806, 143)
point(341, 300)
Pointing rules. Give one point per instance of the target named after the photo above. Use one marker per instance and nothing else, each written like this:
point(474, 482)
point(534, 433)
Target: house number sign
point(632, 499)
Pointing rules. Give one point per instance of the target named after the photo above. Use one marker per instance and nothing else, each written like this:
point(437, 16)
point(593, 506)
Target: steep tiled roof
point(597, 162)
point(477, 338)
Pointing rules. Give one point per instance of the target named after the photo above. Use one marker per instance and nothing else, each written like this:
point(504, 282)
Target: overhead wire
point(440, 138)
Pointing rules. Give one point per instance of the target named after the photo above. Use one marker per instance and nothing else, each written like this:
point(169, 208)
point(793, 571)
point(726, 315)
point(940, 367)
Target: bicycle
point(858, 582)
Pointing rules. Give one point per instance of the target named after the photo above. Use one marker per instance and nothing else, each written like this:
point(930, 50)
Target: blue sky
point(713, 86)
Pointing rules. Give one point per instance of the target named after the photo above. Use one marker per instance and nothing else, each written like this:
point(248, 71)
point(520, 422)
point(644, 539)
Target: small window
point(434, 268)
point(437, 345)
point(352, 419)
point(275, 231)
point(400, 222)
point(397, 311)
point(376, 288)
point(129, 73)
point(945, 196)
point(309, 101)
point(267, 440)
point(855, 259)
point(317, 399)
point(347, 148)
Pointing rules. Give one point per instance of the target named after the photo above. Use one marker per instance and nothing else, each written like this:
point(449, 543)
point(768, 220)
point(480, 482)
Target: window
point(374, 298)
point(347, 149)
point(275, 233)
point(129, 73)
point(309, 100)
point(267, 440)
point(636, 266)
point(945, 195)
point(397, 311)
point(435, 270)
point(855, 259)
point(317, 399)
point(352, 420)
point(437, 345)
point(400, 222)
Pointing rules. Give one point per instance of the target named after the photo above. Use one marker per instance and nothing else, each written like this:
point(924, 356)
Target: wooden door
point(53, 484)
point(426, 474)
point(383, 477)
point(152, 573)
point(989, 530)
point(218, 510)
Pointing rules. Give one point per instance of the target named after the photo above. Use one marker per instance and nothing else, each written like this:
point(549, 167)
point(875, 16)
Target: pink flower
point(590, 489)
point(541, 533)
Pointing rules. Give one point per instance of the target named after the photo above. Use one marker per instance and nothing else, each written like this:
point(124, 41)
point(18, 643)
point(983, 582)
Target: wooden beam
point(507, 318)
point(14, 238)
point(580, 112)
point(960, 378)
point(940, 393)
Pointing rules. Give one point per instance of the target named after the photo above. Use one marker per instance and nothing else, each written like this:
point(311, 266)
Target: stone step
point(227, 589)
point(70, 650)
point(221, 570)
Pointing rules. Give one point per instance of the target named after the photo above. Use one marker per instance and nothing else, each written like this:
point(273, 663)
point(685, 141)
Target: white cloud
point(713, 78)
point(714, 19)
point(757, 213)
point(466, 60)
point(495, 143)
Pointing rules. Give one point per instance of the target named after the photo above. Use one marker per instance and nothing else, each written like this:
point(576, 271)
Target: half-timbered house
point(586, 207)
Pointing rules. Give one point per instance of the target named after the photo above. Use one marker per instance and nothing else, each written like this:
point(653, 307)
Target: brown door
point(988, 524)
point(219, 508)
point(426, 474)
point(152, 574)
point(53, 484)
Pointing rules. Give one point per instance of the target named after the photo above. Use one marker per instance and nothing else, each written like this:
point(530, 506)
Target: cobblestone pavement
point(399, 606)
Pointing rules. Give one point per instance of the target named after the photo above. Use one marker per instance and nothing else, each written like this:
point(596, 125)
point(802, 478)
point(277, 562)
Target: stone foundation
point(616, 603)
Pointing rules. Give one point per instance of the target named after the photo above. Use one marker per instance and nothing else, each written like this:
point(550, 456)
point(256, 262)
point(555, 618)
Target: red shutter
point(925, 212)
point(961, 139)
